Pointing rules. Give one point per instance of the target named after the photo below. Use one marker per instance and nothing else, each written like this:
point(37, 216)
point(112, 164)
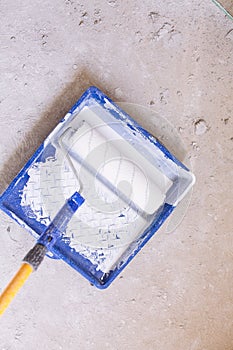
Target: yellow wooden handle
point(14, 286)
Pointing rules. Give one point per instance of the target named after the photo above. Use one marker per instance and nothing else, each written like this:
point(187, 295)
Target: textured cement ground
point(174, 57)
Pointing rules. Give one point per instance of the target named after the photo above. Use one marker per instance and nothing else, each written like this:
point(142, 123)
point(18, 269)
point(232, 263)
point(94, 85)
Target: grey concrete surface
point(176, 58)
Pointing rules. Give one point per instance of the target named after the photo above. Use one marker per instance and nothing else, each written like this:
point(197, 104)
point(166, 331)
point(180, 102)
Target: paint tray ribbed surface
point(130, 183)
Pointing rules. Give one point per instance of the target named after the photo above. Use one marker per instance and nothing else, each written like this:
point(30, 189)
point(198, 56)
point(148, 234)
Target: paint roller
point(95, 151)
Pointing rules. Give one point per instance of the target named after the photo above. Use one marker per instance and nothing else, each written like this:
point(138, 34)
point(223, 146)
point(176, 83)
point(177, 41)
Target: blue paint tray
point(130, 182)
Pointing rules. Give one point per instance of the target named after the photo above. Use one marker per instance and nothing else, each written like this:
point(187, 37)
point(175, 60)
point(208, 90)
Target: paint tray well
point(129, 181)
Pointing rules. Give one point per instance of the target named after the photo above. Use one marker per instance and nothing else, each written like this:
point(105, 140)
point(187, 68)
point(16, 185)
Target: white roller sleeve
point(96, 144)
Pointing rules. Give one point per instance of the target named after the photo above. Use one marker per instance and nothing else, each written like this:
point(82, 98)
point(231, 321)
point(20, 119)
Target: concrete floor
point(177, 59)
